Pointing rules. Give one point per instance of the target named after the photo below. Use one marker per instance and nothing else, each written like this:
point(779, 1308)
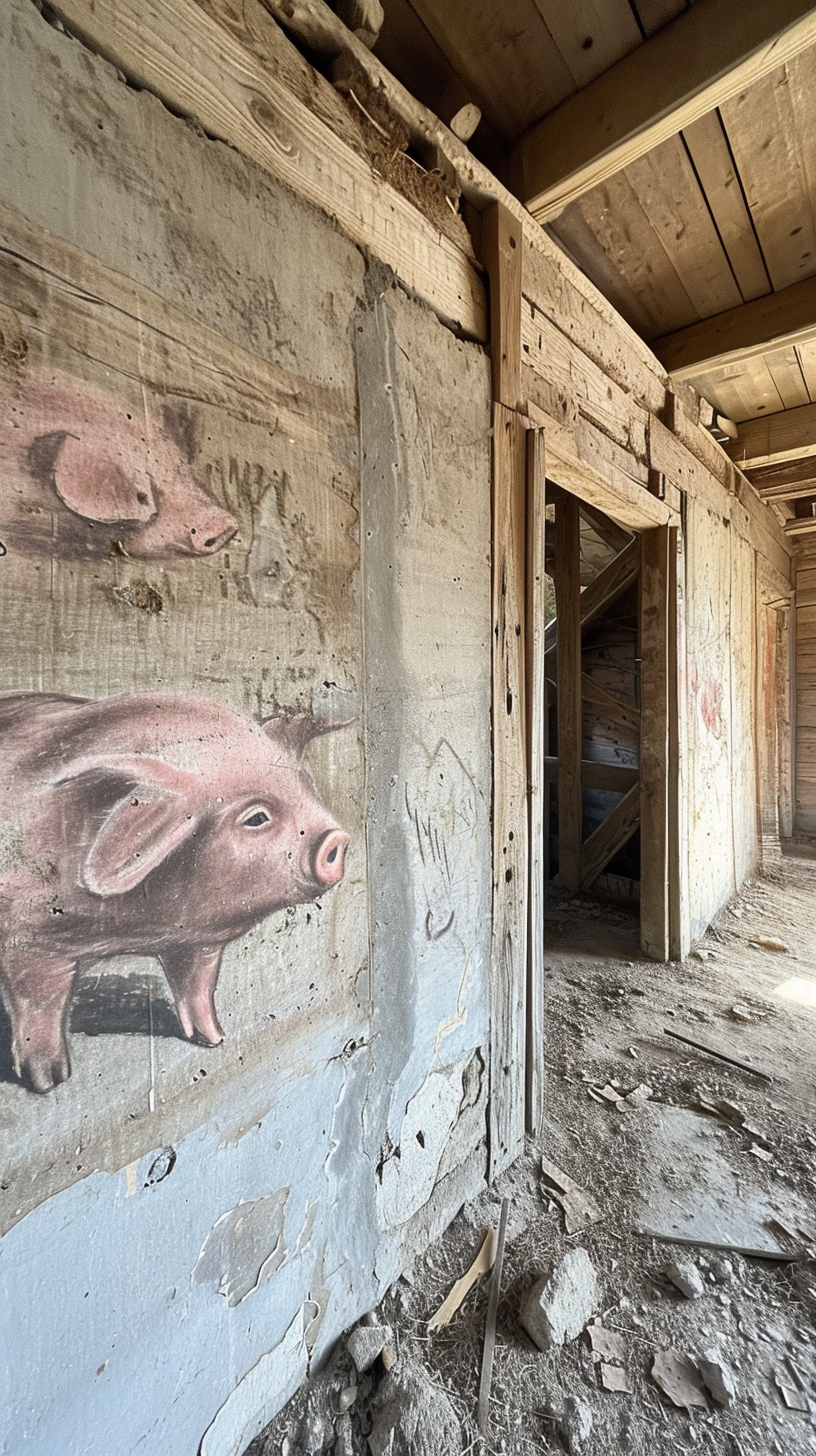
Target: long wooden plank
point(654, 743)
point(709, 151)
point(610, 836)
point(538, 799)
point(790, 481)
point(567, 581)
point(508, 1029)
point(743, 333)
point(782, 436)
point(709, 53)
point(208, 72)
point(800, 526)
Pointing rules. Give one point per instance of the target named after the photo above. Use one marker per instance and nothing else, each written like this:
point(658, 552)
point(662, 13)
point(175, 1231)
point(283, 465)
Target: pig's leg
point(192, 971)
point(37, 990)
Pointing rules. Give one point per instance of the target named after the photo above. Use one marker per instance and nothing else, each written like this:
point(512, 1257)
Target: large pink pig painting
point(154, 824)
point(80, 472)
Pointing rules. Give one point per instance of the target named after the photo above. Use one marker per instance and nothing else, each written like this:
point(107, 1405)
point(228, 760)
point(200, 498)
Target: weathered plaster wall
point(186, 1226)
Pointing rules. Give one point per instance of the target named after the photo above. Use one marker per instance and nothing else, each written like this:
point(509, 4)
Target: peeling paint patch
point(244, 1247)
point(409, 1174)
point(131, 1172)
point(308, 1225)
point(259, 1396)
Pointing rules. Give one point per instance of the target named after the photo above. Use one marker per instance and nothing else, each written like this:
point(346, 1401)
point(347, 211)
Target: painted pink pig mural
point(162, 825)
point(78, 471)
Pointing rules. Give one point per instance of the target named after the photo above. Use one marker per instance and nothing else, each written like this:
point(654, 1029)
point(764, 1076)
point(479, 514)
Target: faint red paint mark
point(711, 707)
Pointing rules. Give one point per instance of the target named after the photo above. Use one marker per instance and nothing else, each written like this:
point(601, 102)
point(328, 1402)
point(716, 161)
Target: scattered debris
point(768, 942)
point(761, 1153)
point(483, 1410)
point(413, 1416)
point(366, 1343)
point(794, 1399)
point(636, 1098)
point(685, 1276)
point(613, 1377)
point(718, 1378)
point(482, 1264)
point(720, 1056)
point(576, 1425)
point(677, 1378)
point(609, 1094)
point(558, 1306)
point(580, 1209)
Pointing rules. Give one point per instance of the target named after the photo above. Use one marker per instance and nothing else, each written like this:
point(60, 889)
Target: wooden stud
point(707, 55)
point(679, 934)
point(567, 579)
point(536, 714)
point(654, 743)
point(510, 863)
point(501, 238)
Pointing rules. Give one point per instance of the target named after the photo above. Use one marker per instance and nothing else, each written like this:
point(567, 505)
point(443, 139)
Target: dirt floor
point(704, 1151)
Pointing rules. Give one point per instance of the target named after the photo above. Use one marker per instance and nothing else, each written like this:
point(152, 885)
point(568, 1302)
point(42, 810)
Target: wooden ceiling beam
point(800, 526)
point(707, 55)
point(794, 480)
point(741, 334)
point(787, 435)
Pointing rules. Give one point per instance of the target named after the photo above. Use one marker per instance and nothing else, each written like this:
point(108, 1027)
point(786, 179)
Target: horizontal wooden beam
point(615, 778)
point(740, 334)
point(794, 480)
point(705, 56)
point(800, 526)
point(787, 435)
point(610, 836)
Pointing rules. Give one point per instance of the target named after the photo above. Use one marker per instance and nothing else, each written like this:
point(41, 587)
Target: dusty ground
point(666, 1165)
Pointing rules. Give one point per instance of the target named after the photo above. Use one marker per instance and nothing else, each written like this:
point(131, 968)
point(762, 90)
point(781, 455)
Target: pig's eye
point(255, 820)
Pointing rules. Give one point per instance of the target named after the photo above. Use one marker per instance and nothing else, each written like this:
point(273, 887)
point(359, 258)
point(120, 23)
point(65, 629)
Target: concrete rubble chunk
point(718, 1378)
point(412, 1416)
point(576, 1425)
point(366, 1343)
point(559, 1305)
point(685, 1276)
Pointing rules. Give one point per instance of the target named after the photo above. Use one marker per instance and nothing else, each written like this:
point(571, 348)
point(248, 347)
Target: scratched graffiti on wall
point(81, 472)
point(153, 824)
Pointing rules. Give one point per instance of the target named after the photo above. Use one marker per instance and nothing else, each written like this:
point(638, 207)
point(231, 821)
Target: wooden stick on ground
point(720, 1056)
point(483, 1408)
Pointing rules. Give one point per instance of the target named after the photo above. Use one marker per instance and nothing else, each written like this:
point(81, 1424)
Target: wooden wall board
point(539, 828)
point(769, 127)
point(213, 74)
point(656, 608)
point(568, 617)
point(709, 151)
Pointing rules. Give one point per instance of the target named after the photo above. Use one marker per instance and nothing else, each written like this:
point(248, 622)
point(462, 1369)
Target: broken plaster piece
point(675, 1375)
point(718, 1378)
point(606, 1344)
point(558, 1306)
point(580, 1208)
point(613, 1377)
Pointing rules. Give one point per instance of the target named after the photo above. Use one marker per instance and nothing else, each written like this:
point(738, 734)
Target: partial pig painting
point(151, 824)
point(82, 474)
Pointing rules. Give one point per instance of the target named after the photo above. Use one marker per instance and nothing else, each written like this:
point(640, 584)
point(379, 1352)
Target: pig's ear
point(91, 482)
point(297, 731)
point(136, 837)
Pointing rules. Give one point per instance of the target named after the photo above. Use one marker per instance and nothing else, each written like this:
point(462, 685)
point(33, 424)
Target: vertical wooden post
point(655, 613)
point(509, 954)
point(536, 747)
point(500, 244)
point(567, 582)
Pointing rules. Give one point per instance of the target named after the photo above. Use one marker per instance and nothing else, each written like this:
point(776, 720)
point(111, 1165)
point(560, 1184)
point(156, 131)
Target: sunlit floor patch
point(801, 989)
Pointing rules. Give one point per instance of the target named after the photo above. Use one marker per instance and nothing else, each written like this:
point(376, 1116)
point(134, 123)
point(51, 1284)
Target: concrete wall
point(186, 1226)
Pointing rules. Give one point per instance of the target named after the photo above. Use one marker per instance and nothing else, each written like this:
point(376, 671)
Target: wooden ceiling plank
point(654, 14)
point(785, 369)
point(506, 58)
point(742, 333)
point(769, 128)
point(783, 436)
point(806, 354)
point(706, 55)
point(709, 151)
point(800, 526)
point(591, 35)
point(624, 232)
point(665, 184)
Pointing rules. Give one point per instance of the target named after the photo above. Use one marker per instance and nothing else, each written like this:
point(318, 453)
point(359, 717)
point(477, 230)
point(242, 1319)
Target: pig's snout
point(208, 536)
point(329, 857)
